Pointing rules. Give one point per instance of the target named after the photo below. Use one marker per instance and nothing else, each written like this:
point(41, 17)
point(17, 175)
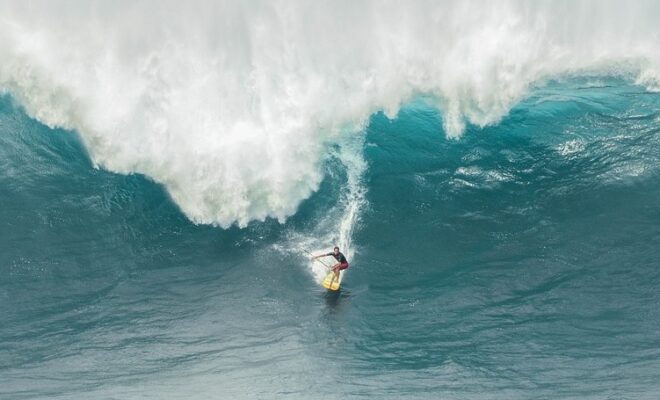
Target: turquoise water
point(519, 261)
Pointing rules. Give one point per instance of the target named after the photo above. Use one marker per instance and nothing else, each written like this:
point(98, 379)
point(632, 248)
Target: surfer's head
point(336, 249)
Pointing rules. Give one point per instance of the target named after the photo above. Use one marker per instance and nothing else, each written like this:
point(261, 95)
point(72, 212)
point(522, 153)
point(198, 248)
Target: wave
point(233, 106)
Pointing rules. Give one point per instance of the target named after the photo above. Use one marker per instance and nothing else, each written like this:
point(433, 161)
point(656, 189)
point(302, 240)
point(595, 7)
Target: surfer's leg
point(335, 270)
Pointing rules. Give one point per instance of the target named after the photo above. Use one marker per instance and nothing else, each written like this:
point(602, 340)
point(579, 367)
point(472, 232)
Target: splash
point(230, 105)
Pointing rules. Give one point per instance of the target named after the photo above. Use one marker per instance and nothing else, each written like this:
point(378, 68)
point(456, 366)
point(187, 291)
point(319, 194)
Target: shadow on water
point(337, 318)
point(335, 301)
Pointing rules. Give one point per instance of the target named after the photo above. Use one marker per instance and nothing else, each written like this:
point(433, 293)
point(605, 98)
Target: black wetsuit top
point(339, 257)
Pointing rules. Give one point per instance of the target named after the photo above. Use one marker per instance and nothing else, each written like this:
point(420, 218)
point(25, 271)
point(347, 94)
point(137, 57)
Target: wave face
point(233, 106)
point(520, 261)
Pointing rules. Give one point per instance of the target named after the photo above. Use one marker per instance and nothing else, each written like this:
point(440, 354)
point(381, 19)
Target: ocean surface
point(503, 244)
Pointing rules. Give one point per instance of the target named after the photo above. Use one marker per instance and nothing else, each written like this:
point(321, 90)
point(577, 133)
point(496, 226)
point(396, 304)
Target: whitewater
point(232, 105)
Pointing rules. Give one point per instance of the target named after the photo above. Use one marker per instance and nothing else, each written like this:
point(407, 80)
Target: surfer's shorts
point(343, 266)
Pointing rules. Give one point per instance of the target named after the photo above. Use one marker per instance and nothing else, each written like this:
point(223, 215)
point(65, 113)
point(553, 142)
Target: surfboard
point(328, 279)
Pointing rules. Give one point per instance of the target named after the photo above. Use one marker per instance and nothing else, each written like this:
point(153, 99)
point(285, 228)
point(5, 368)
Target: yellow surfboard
point(328, 279)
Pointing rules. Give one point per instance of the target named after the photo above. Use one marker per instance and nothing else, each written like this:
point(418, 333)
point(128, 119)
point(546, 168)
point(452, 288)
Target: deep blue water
point(519, 261)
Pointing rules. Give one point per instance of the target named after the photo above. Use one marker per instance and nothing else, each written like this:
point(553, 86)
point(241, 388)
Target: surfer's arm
point(321, 255)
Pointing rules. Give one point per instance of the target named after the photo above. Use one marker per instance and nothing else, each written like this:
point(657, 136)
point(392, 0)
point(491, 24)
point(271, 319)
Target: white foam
point(230, 104)
point(339, 224)
point(571, 147)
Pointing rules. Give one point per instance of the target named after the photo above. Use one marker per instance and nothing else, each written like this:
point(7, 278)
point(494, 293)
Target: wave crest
point(231, 106)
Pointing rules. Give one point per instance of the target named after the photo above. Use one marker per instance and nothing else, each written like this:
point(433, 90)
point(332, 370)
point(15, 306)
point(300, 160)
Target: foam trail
point(230, 104)
point(352, 202)
point(339, 225)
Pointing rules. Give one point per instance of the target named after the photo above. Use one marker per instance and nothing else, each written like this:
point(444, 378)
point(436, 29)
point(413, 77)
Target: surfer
point(341, 262)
